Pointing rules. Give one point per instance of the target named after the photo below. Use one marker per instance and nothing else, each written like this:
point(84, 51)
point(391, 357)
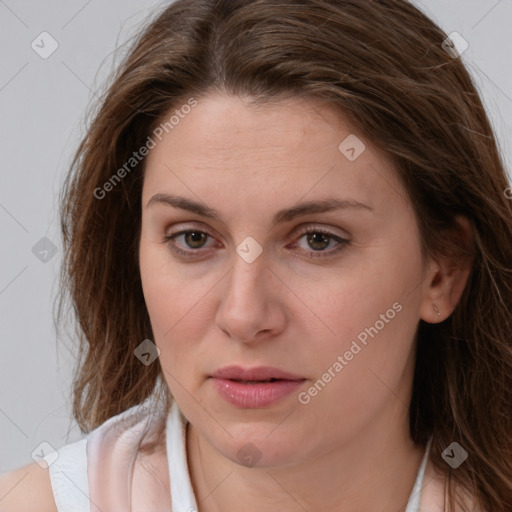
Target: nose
point(251, 306)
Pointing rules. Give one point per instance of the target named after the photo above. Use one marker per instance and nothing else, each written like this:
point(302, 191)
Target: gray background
point(42, 107)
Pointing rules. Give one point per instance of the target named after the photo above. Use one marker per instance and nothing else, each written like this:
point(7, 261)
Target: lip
point(232, 385)
point(258, 373)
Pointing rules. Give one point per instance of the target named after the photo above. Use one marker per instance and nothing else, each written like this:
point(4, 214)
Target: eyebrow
point(285, 215)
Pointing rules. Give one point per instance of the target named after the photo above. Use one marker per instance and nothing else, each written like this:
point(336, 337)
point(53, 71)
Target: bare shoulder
point(27, 489)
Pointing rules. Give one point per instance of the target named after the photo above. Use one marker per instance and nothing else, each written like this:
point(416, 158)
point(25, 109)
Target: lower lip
point(253, 396)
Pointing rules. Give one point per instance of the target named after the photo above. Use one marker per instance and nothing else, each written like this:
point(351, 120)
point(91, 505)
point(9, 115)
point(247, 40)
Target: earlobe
point(443, 292)
point(444, 287)
point(433, 308)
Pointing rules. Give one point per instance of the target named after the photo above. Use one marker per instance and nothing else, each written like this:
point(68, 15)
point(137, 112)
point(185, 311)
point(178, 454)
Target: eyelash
point(342, 243)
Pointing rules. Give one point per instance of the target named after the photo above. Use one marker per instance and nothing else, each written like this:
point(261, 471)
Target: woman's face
point(336, 308)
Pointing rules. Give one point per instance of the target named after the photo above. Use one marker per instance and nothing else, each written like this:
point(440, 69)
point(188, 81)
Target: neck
point(375, 471)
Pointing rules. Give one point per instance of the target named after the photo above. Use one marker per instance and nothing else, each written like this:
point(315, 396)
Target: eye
point(192, 238)
point(319, 239)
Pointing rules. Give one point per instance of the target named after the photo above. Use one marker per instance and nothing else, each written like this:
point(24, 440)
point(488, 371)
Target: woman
point(288, 245)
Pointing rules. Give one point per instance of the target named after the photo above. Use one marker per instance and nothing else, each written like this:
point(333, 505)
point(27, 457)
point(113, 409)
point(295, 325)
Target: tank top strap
point(182, 494)
point(413, 504)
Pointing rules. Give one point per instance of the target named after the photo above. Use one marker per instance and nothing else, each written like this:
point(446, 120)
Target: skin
point(349, 448)
point(27, 488)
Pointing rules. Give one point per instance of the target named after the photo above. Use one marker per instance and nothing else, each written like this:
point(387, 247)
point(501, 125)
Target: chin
point(259, 451)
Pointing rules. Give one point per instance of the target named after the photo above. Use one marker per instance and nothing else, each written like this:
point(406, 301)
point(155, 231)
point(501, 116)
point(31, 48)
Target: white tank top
point(108, 453)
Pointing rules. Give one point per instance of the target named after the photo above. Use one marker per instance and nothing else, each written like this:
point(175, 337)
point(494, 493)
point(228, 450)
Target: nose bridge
point(244, 305)
point(247, 277)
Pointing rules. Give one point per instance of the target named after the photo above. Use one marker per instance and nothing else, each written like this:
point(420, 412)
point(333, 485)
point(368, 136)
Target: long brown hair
point(381, 63)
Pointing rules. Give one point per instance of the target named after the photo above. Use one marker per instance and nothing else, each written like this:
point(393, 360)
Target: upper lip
point(258, 373)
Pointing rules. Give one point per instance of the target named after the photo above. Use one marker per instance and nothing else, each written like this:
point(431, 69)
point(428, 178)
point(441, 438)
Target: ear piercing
point(436, 309)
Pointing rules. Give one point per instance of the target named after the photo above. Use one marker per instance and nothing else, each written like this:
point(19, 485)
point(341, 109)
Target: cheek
point(372, 316)
point(355, 301)
point(157, 293)
point(177, 305)
point(353, 380)
point(161, 290)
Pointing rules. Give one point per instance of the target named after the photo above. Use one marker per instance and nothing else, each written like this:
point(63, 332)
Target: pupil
point(193, 237)
point(313, 240)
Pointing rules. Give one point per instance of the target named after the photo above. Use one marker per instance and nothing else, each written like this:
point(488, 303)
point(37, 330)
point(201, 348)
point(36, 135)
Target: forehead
point(229, 148)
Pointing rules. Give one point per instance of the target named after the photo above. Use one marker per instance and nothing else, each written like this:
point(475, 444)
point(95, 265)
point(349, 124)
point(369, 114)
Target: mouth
point(255, 388)
point(255, 381)
point(260, 374)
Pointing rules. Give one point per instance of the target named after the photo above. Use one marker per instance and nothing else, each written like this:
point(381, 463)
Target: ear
point(447, 277)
